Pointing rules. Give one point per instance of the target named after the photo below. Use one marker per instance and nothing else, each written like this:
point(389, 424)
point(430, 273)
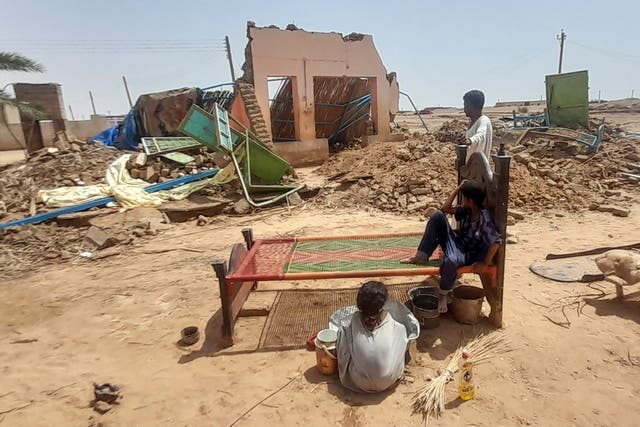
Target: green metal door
point(568, 99)
point(201, 126)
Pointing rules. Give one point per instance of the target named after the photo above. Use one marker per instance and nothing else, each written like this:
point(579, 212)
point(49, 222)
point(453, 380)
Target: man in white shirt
point(480, 132)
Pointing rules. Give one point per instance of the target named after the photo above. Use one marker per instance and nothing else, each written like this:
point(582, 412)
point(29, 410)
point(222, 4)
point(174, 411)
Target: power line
point(216, 40)
point(120, 46)
point(113, 45)
point(606, 52)
point(124, 48)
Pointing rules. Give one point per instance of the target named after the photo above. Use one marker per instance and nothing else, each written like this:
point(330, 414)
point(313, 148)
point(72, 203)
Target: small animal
point(620, 263)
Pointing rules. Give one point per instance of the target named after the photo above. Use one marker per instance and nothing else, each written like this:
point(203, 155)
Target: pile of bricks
point(158, 169)
point(255, 113)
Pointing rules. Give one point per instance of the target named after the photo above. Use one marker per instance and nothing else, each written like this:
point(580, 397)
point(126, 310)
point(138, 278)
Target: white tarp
point(128, 191)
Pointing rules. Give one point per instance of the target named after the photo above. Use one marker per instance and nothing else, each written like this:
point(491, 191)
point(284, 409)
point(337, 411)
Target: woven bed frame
point(364, 256)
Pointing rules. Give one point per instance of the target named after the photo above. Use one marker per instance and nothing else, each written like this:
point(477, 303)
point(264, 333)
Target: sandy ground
point(118, 319)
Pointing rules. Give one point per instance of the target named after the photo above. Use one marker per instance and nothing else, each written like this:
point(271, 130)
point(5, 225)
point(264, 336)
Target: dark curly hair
point(472, 191)
point(371, 298)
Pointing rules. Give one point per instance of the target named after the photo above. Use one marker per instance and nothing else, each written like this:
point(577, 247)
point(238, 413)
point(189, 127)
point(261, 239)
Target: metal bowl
point(189, 335)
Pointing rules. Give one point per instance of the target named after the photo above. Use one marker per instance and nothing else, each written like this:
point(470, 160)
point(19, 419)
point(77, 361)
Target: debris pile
point(408, 177)
point(172, 165)
point(417, 175)
point(560, 174)
point(24, 248)
point(76, 165)
point(452, 131)
point(93, 235)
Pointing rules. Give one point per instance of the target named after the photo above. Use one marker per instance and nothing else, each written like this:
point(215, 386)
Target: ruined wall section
point(252, 107)
point(303, 55)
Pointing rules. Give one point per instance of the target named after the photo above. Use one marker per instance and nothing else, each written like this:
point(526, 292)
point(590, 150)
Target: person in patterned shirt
point(475, 243)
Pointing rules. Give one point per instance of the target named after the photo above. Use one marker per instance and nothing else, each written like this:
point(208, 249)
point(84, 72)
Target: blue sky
point(439, 49)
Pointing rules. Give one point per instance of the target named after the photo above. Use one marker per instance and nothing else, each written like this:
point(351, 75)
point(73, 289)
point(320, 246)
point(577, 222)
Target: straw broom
point(429, 400)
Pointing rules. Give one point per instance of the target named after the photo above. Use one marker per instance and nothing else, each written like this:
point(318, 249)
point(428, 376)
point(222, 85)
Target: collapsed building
point(329, 89)
point(301, 93)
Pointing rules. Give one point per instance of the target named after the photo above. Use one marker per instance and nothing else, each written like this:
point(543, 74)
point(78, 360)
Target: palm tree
point(14, 62)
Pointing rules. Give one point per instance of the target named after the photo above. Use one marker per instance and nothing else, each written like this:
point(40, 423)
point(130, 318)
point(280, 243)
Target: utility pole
point(126, 88)
point(631, 93)
point(229, 57)
point(599, 96)
point(71, 111)
point(562, 37)
point(93, 106)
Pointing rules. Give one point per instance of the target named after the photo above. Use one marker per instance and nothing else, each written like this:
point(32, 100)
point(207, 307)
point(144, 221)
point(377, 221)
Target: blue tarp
point(107, 136)
point(123, 136)
point(128, 138)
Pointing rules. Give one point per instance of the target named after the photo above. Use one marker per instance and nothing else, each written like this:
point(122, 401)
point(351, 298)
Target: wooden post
point(126, 89)
point(502, 164)
point(247, 233)
point(461, 160)
point(93, 105)
point(220, 267)
point(227, 46)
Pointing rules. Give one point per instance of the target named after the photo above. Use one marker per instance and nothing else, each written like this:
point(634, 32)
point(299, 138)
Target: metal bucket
point(424, 300)
point(467, 303)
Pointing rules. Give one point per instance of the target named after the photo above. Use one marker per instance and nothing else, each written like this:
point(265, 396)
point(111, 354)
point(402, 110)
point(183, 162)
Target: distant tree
point(14, 62)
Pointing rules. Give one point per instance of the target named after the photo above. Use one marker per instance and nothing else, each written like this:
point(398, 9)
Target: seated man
point(475, 243)
point(371, 350)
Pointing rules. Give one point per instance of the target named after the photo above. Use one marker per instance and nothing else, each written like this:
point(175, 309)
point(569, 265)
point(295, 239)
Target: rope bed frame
point(363, 256)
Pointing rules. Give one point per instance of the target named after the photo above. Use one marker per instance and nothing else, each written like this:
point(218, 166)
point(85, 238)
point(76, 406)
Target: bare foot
point(415, 260)
point(493, 318)
point(443, 303)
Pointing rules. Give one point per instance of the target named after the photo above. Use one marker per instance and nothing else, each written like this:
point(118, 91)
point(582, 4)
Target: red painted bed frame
point(235, 288)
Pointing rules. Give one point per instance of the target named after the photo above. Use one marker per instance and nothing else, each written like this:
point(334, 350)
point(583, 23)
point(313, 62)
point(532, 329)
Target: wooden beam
point(502, 164)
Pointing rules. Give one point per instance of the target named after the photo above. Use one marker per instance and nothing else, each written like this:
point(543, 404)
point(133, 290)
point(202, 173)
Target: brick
point(519, 215)
point(621, 212)
point(149, 174)
point(420, 191)
point(99, 238)
point(140, 160)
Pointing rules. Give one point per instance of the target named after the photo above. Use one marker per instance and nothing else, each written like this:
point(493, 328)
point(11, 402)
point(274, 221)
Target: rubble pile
point(161, 169)
point(452, 131)
point(23, 248)
point(78, 164)
point(93, 235)
point(406, 177)
point(417, 175)
point(560, 174)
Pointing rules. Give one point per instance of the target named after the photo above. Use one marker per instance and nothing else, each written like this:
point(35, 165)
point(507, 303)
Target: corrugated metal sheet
point(568, 99)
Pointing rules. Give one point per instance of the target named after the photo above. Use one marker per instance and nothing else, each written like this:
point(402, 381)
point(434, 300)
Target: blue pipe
point(360, 106)
point(104, 200)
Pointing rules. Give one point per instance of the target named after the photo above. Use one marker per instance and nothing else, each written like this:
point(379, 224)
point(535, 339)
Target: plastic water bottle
point(466, 388)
